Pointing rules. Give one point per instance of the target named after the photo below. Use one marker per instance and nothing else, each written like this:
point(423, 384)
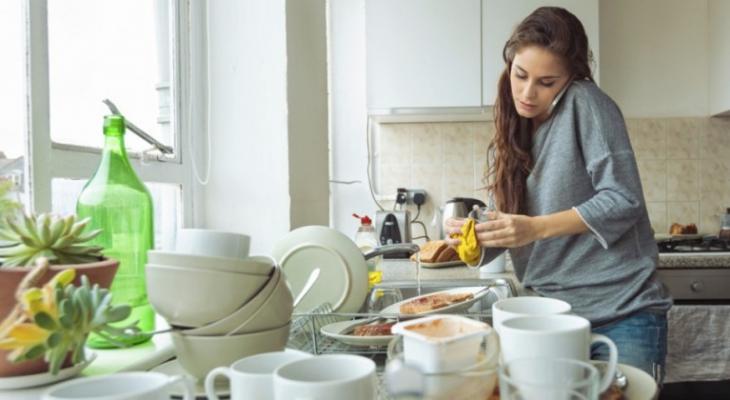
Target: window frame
point(48, 160)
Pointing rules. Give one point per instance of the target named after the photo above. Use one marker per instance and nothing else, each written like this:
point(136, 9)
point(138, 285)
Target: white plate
point(45, 378)
point(444, 264)
point(343, 278)
point(478, 291)
point(173, 368)
point(335, 331)
point(641, 385)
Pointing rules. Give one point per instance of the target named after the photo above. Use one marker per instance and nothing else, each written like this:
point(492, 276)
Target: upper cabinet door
point(423, 53)
point(719, 50)
point(500, 17)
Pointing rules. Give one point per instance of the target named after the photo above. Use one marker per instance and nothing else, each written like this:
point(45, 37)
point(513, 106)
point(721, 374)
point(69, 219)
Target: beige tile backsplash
point(684, 164)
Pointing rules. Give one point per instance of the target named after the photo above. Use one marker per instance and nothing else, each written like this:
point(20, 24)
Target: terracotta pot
point(101, 272)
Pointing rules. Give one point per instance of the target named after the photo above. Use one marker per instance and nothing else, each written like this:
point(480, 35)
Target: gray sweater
point(583, 160)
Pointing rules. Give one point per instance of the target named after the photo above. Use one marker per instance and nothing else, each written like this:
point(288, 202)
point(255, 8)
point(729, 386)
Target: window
point(135, 53)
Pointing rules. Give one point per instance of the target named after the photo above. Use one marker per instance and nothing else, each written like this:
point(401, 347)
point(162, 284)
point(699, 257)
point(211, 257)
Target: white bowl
point(198, 355)
point(195, 297)
point(269, 308)
point(256, 265)
point(208, 242)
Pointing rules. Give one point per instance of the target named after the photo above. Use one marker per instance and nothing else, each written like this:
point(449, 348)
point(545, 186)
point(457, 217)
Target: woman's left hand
point(507, 230)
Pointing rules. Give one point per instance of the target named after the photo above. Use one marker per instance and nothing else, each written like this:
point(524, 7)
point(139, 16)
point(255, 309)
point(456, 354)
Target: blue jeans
point(641, 340)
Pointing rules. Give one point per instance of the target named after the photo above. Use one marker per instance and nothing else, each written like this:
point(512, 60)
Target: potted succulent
point(53, 322)
point(60, 240)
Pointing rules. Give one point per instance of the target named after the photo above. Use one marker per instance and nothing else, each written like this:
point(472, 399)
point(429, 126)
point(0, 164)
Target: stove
point(695, 268)
point(694, 244)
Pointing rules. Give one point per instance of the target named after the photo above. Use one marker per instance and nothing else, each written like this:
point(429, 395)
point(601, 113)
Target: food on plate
point(381, 329)
point(469, 250)
point(433, 302)
point(613, 393)
point(436, 251)
point(679, 229)
point(449, 254)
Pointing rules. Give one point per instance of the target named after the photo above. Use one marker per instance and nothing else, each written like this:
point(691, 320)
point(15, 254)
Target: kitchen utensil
point(251, 378)
point(393, 227)
point(207, 242)
point(120, 386)
point(523, 306)
point(326, 377)
point(536, 378)
point(458, 207)
point(556, 336)
point(308, 285)
point(343, 280)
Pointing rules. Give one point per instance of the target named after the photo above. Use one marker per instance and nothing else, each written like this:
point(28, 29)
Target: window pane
point(107, 49)
point(12, 95)
point(165, 200)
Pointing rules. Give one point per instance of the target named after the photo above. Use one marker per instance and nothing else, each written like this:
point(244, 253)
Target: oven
point(696, 271)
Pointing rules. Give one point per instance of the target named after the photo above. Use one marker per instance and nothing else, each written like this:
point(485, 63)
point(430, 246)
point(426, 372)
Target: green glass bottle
point(119, 203)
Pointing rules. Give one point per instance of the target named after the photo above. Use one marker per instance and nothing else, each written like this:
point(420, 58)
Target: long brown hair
point(554, 29)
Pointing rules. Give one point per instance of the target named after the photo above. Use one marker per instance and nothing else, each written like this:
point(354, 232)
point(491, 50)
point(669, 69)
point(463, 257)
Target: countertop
point(694, 260)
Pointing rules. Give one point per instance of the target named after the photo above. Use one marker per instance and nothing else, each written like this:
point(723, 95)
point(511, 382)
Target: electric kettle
point(458, 207)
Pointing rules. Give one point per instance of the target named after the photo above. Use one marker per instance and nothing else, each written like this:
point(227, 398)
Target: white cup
point(525, 306)
point(120, 386)
point(252, 377)
point(495, 266)
point(554, 336)
point(207, 242)
point(327, 377)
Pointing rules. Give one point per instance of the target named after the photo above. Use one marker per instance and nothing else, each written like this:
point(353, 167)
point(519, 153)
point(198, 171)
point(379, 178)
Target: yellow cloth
point(469, 250)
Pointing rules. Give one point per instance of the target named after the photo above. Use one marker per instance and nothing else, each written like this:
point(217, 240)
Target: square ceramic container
point(441, 343)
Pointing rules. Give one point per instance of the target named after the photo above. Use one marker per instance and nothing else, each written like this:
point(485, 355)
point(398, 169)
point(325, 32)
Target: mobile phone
point(559, 96)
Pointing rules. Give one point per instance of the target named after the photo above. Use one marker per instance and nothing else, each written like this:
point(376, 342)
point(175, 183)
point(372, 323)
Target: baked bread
point(448, 254)
point(679, 229)
point(433, 302)
point(430, 251)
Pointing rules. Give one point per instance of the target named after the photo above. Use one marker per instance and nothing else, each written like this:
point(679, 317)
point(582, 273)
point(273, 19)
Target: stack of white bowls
point(226, 304)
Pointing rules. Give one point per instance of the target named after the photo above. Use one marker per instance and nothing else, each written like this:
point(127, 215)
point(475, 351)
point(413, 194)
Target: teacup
point(120, 386)
point(526, 306)
point(327, 377)
point(252, 377)
point(207, 242)
point(554, 336)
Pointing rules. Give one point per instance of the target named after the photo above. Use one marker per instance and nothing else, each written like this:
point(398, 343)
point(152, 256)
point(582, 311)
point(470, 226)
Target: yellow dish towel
point(469, 250)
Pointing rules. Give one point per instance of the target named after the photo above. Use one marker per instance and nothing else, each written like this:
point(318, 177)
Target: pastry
point(430, 251)
point(433, 302)
point(448, 254)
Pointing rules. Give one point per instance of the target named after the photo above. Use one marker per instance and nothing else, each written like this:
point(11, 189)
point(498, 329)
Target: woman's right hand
point(453, 226)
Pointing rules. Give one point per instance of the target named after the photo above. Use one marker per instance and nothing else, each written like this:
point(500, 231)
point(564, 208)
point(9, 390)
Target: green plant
point(56, 320)
point(56, 238)
point(9, 208)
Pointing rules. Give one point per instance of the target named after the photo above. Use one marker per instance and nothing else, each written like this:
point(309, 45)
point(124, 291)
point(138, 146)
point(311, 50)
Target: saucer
point(173, 368)
point(45, 378)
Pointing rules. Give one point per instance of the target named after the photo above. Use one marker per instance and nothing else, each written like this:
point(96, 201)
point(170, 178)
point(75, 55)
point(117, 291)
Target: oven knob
point(697, 286)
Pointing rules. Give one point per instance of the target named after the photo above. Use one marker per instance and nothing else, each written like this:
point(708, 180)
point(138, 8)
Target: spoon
point(307, 286)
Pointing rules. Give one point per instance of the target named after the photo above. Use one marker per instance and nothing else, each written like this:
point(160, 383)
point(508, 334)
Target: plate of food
point(445, 301)
point(437, 254)
point(361, 332)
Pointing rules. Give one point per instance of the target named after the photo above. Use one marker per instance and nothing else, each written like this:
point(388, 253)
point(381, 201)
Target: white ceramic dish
point(173, 368)
point(197, 297)
point(478, 291)
point(343, 278)
point(446, 264)
point(337, 331)
point(45, 378)
point(255, 265)
point(641, 385)
point(210, 242)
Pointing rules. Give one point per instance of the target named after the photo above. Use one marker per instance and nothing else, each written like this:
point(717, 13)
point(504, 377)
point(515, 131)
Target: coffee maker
point(393, 227)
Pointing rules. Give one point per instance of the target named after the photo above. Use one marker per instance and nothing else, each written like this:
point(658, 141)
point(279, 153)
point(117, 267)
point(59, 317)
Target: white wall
point(348, 114)
point(654, 56)
point(248, 191)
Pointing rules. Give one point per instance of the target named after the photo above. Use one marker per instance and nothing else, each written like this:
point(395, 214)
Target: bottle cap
point(114, 125)
point(365, 220)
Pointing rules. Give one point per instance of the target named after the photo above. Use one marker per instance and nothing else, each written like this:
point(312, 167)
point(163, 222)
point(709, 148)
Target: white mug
point(252, 377)
point(327, 377)
point(120, 386)
point(556, 336)
point(207, 242)
point(526, 306)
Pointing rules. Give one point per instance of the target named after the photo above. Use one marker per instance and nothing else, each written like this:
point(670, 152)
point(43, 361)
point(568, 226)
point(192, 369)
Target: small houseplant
point(60, 240)
point(54, 321)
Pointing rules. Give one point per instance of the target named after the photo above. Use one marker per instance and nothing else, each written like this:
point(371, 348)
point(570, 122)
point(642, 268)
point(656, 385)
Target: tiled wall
point(684, 165)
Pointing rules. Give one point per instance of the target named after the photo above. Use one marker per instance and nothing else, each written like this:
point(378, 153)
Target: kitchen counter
point(694, 260)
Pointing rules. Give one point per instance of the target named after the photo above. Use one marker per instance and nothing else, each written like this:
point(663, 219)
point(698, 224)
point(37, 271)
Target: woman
point(564, 180)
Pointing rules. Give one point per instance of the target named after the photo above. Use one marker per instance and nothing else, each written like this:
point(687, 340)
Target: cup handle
point(210, 381)
point(187, 383)
point(610, 373)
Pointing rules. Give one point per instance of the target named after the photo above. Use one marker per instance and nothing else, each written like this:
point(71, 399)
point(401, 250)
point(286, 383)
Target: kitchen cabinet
point(500, 17)
point(719, 57)
point(423, 53)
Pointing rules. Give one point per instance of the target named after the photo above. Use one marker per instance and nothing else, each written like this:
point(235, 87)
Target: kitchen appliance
point(458, 207)
point(695, 267)
point(393, 227)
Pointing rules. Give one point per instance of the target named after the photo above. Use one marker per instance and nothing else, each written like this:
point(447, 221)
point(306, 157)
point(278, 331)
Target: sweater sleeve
point(618, 201)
